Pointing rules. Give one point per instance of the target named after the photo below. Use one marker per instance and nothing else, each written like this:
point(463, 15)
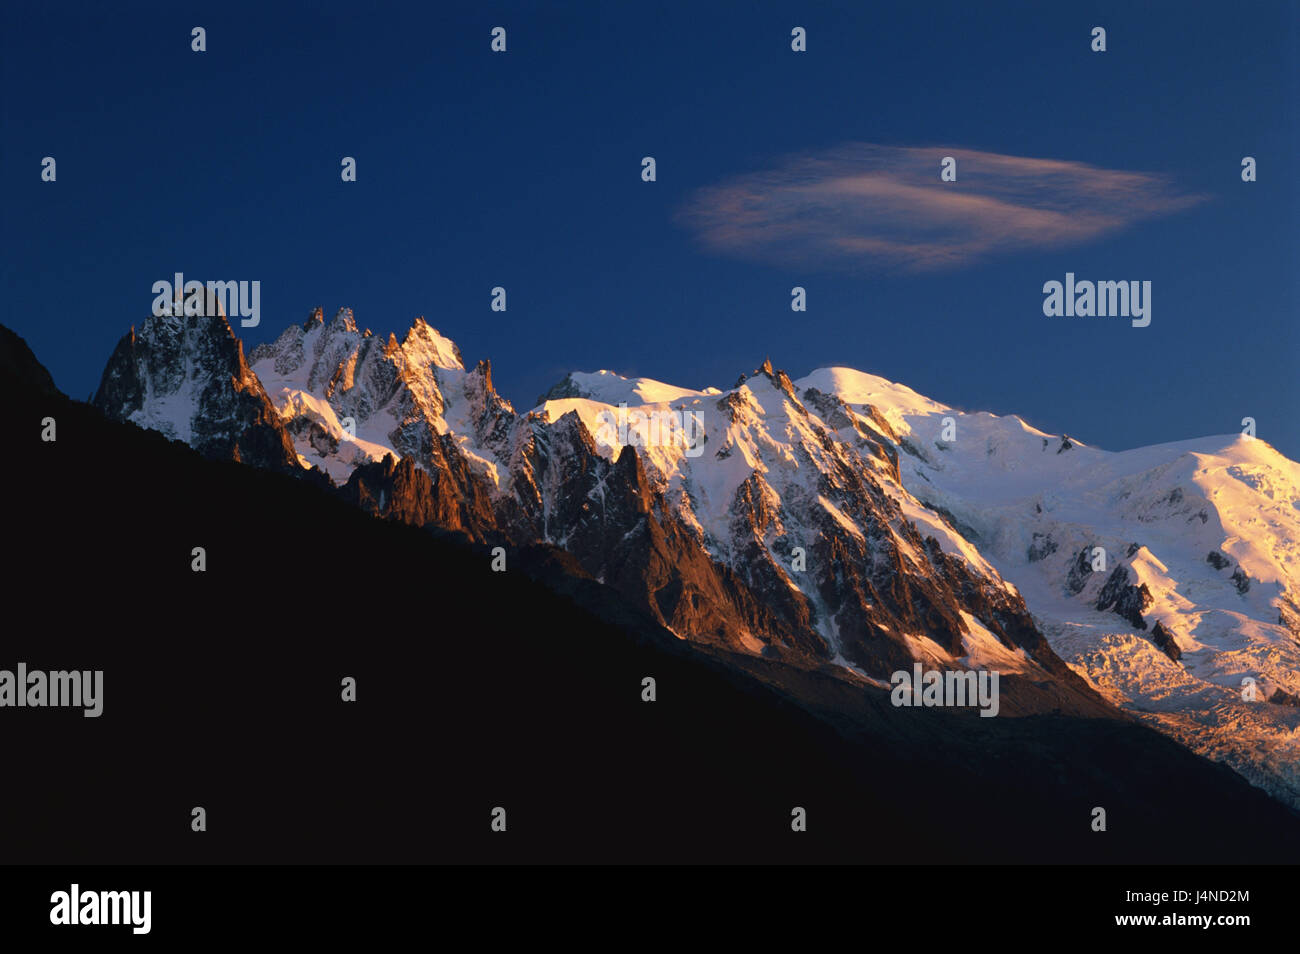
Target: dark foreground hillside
point(475, 690)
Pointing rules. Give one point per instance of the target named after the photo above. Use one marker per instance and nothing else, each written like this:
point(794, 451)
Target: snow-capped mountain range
point(838, 520)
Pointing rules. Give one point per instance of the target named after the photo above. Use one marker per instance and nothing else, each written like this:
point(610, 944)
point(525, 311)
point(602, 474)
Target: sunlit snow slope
point(1204, 535)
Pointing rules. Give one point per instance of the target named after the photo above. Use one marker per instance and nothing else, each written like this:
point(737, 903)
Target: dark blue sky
point(523, 170)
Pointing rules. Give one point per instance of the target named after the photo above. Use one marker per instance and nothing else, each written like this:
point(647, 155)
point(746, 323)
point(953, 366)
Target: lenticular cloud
point(864, 206)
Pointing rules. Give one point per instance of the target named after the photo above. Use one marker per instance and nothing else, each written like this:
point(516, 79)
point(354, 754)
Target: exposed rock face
point(397, 490)
point(1079, 573)
point(1241, 581)
point(562, 490)
point(879, 441)
point(449, 498)
point(1217, 560)
point(1165, 641)
point(1125, 599)
point(1041, 547)
point(1288, 615)
point(185, 375)
point(567, 388)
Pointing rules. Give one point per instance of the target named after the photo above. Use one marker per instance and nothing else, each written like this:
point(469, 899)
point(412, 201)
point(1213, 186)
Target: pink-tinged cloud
point(863, 207)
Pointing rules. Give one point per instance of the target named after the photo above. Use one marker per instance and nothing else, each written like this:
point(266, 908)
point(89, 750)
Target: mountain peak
point(186, 376)
point(426, 346)
point(778, 378)
point(344, 320)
